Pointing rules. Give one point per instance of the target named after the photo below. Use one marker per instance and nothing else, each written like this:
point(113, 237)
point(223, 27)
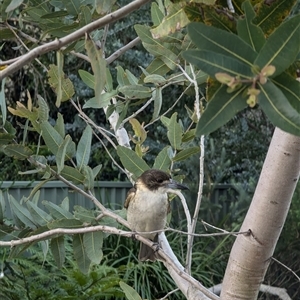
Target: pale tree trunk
point(250, 255)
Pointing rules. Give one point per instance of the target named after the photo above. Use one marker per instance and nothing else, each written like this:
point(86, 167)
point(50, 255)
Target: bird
point(147, 207)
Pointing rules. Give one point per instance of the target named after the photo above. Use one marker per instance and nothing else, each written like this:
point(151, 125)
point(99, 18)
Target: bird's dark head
point(158, 180)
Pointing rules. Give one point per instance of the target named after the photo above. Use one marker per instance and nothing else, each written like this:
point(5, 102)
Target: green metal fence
point(111, 194)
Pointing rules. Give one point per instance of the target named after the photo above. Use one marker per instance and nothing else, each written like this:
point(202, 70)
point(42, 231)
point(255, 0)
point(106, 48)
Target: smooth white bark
point(250, 255)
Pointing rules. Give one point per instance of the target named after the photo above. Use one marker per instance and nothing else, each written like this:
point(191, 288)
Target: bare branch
point(59, 43)
point(122, 50)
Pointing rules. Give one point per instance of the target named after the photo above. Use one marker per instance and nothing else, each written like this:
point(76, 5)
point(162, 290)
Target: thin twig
point(286, 267)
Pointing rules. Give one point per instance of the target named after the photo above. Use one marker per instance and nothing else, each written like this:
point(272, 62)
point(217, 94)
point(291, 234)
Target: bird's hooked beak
point(176, 185)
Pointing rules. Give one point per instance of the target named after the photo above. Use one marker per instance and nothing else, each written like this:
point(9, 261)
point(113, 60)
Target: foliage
point(239, 59)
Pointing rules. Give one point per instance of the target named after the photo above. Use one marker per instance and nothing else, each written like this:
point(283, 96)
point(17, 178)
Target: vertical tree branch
point(250, 255)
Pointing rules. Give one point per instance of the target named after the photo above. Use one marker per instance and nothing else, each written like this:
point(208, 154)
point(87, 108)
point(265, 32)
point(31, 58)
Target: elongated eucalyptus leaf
point(216, 40)
point(87, 78)
point(61, 153)
point(290, 87)
point(93, 242)
point(278, 109)
point(131, 161)
point(80, 254)
point(17, 151)
point(57, 247)
point(98, 65)
point(137, 91)
point(71, 174)
point(21, 212)
point(53, 140)
point(186, 153)
point(65, 223)
point(3, 102)
point(6, 138)
point(156, 14)
point(157, 97)
point(60, 125)
point(282, 47)
point(250, 33)
point(2, 207)
point(270, 14)
point(163, 53)
point(84, 148)
point(129, 292)
point(162, 160)
point(38, 215)
point(174, 132)
point(220, 109)
point(56, 211)
point(212, 63)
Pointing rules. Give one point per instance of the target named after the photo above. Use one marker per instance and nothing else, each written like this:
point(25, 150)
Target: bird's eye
point(160, 180)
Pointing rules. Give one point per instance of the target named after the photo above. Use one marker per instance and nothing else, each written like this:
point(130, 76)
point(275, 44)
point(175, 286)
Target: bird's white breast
point(148, 211)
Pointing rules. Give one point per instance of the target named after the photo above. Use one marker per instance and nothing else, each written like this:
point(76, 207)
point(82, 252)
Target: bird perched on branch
point(147, 207)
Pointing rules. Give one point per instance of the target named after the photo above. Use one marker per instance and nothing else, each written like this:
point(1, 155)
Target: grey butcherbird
point(147, 206)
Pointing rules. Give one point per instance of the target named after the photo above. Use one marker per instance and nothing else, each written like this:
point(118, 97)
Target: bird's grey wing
point(130, 196)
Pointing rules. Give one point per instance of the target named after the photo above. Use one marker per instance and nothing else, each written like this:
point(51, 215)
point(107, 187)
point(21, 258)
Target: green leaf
point(72, 6)
point(186, 153)
point(83, 214)
point(290, 87)
point(3, 102)
point(21, 212)
point(56, 211)
point(43, 110)
point(130, 293)
point(80, 254)
point(62, 85)
point(38, 215)
point(87, 78)
point(189, 135)
point(96, 170)
point(2, 208)
point(216, 40)
point(61, 153)
point(269, 15)
point(155, 78)
point(122, 77)
point(53, 140)
point(65, 223)
point(71, 174)
point(162, 160)
point(59, 125)
point(89, 182)
point(131, 161)
point(174, 21)
point(57, 247)
point(282, 47)
point(163, 53)
point(132, 79)
point(156, 14)
point(220, 109)
point(84, 148)
point(98, 65)
point(250, 33)
point(101, 102)
point(278, 109)
point(157, 66)
point(6, 138)
point(157, 98)
point(13, 5)
point(93, 242)
point(174, 132)
point(17, 151)
point(212, 63)
point(137, 91)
